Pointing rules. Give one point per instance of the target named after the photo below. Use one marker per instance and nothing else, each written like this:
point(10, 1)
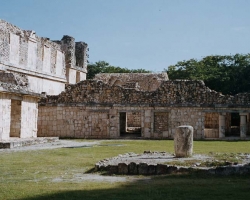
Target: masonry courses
point(44, 93)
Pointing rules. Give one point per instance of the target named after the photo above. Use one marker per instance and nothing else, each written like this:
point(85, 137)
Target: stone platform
point(158, 163)
point(20, 142)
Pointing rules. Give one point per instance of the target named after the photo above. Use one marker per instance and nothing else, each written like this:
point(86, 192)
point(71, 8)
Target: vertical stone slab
point(147, 123)
point(46, 59)
point(32, 54)
point(14, 49)
point(71, 75)
point(5, 110)
point(243, 125)
point(29, 114)
point(222, 124)
point(183, 141)
point(59, 63)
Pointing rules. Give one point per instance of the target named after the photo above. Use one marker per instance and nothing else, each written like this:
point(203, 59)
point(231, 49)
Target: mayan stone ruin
point(44, 93)
point(30, 67)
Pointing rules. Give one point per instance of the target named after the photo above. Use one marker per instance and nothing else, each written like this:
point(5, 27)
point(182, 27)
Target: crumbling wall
point(91, 109)
point(170, 93)
point(134, 119)
point(39, 58)
point(139, 81)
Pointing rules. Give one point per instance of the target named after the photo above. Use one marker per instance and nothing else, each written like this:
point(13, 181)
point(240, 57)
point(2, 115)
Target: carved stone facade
point(110, 106)
point(29, 67)
point(48, 65)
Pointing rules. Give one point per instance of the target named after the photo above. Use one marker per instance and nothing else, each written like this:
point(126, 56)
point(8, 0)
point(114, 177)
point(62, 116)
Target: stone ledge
point(159, 163)
point(161, 169)
point(18, 142)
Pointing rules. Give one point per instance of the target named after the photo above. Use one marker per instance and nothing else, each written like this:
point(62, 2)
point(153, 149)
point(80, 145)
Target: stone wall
point(40, 59)
point(170, 93)
point(139, 81)
point(5, 109)
point(91, 109)
point(133, 119)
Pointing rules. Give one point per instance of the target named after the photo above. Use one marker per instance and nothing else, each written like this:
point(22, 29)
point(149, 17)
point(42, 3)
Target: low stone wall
point(160, 169)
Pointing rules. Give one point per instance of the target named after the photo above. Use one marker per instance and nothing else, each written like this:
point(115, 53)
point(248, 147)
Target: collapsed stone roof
point(137, 81)
point(169, 93)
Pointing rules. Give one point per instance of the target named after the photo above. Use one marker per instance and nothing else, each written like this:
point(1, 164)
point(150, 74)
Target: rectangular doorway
point(234, 124)
point(15, 123)
point(130, 124)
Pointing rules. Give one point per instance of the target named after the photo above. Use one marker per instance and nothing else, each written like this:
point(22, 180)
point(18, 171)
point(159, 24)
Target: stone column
point(243, 125)
point(183, 141)
point(222, 123)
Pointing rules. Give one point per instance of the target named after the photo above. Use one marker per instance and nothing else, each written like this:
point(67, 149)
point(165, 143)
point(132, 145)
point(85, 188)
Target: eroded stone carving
point(183, 141)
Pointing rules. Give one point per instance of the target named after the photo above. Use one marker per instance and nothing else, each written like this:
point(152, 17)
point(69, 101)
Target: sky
point(139, 34)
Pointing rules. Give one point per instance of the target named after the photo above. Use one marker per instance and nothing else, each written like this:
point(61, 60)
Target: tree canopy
point(105, 67)
point(229, 74)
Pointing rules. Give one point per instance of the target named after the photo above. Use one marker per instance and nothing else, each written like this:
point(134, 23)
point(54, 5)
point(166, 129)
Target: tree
point(104, 67)
point(227, 74)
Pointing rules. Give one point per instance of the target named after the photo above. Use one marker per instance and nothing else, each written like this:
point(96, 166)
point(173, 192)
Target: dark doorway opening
point(130, 124)
point(15, 124)
point(234, 127)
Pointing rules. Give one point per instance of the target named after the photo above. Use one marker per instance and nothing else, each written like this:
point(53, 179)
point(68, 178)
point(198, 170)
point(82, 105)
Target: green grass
point(29, 175)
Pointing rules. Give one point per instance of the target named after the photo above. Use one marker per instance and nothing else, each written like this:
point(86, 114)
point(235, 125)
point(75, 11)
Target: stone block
point(152, 169)
point(122, 168)
point(161, 169)
point(171, 169)
point(113, 169)
point(132, 168)
point(143, 169)
point(183, 141)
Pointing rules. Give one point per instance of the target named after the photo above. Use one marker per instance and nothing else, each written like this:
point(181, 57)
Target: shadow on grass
point(194, 186)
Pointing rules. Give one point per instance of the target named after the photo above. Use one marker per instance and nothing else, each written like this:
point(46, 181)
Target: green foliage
point(104, 67)
point(227, 74)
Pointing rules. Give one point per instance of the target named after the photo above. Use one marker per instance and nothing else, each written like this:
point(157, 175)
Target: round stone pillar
point(183, 141)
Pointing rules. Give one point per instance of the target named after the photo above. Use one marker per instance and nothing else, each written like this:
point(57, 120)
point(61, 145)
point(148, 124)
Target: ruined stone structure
point(93, 109)
point(111, 105)
point(31, 66)
point(138, 81)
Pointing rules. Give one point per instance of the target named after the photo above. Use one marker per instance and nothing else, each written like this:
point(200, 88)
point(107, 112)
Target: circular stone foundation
point(157, 163)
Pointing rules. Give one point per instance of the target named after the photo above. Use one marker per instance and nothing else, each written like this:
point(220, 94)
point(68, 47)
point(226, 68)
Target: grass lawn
point(31, 175)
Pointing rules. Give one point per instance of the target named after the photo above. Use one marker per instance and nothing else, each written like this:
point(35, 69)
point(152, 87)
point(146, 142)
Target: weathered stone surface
point(183, 141)
point(171, 169)
point(152, 169)
point(161, 169)
point(137, 81)
point(132, 168)
point(143, 168)
point(113, 169)
point(122, 168)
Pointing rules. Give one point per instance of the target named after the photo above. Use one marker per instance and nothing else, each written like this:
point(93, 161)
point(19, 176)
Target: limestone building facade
point(43, 92)
point(32, 66)
point(94, 109)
